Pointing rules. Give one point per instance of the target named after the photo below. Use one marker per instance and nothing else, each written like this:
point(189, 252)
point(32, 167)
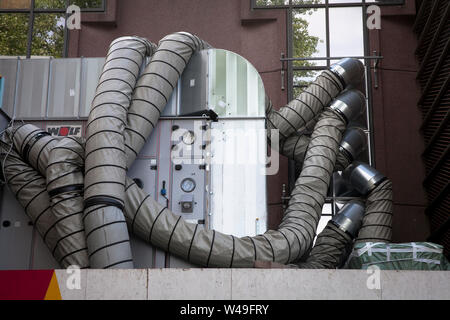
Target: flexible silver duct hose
point(105, 157)
point(373, 225)
point(330, 249)
point(296, 114)
point(30, 189)
point(107, 188)
point(377, 222)
point(334, 243)
point(155, 87)
point(153, 222)
point(105, 160)
point(33, 144)
point(296, 145)
point(158, 225)
point(65, 185)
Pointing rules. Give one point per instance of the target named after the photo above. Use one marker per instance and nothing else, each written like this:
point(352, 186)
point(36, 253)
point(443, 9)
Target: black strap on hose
point(32, 141)
point(66, 189)
point(95, 201)
point(346, 154)
point(341, 79)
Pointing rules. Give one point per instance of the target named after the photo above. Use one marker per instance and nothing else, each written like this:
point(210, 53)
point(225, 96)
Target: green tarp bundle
point(398, 256)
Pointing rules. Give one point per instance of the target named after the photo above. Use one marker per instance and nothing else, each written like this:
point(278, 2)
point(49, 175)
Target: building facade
point(267, 33)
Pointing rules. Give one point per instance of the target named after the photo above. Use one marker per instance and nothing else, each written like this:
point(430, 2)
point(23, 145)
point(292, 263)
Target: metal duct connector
point(349, 104)
point(377, 222)
point(353, 143)
point(350, 218)
point(349, 70)
point(363, 177)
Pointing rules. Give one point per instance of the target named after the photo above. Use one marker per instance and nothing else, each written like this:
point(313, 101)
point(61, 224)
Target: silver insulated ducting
point(87, 205)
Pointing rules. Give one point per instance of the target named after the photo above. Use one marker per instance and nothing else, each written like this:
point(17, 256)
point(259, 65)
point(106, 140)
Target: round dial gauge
point(188, 185)
point(189, 138)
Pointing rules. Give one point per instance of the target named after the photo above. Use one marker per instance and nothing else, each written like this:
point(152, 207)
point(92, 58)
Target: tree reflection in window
point(46, 28)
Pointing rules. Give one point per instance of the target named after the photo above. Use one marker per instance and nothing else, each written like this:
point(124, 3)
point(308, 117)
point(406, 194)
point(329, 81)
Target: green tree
point(13, 34)
point(304, 44)
point(48, 29)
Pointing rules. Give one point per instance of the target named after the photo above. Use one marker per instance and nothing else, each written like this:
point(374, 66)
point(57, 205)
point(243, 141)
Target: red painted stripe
point(24, 285)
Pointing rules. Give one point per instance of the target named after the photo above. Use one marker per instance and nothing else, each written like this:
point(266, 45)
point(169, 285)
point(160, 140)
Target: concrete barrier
point(238, 284)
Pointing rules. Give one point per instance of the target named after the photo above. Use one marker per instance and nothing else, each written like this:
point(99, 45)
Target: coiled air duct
point(352, 144)
point(33, 144)
point(105, 160)
point(374, 224)
point(333, 244)
point(156, 224)
point(330, 249)
point(155, 86)
point(65, 185)
point(30, 189)
point(308, 105)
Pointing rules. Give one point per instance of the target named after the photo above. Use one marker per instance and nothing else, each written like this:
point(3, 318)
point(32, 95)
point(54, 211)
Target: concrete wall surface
point(253, 284)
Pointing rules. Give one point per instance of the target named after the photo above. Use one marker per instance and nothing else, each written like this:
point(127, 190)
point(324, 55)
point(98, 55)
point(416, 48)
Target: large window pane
point(48, 35)
point(13, 34)
point(346, 32)
point(309, 36)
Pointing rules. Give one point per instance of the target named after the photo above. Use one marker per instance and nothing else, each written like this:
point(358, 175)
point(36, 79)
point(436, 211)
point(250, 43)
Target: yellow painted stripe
point(53, 292)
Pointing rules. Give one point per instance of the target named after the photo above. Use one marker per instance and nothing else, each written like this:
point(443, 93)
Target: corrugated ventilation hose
point(105, 159)
point(126, 108)
point(61, 230)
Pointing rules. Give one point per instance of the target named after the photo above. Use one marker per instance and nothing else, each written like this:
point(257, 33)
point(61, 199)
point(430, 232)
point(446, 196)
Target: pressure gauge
point(189, 138)
point(188, 185)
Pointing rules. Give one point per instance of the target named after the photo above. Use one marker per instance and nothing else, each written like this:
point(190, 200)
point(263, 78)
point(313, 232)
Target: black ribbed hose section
point(330, 250)
point(308, 196)
point(105, 157)
point(65, 185)
point(30, 189)
point(307, 106)
point(377, 221)
point(105, 153)
point(155, 87)
point(118, 126)
point(295, 147)
point(33, 145)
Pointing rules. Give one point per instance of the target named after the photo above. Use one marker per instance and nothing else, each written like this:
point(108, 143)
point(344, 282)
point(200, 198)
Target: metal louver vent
point(433, 29)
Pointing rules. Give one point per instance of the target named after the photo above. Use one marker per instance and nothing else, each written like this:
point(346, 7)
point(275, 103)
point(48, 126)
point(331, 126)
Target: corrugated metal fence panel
point(433, 29)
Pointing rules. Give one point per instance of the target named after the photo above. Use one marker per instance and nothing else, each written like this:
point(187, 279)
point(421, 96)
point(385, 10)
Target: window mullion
point(30, 29)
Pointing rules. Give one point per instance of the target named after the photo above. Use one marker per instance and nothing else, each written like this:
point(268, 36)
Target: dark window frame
point(32, 11)
point(333, 199)
point(327, 4)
